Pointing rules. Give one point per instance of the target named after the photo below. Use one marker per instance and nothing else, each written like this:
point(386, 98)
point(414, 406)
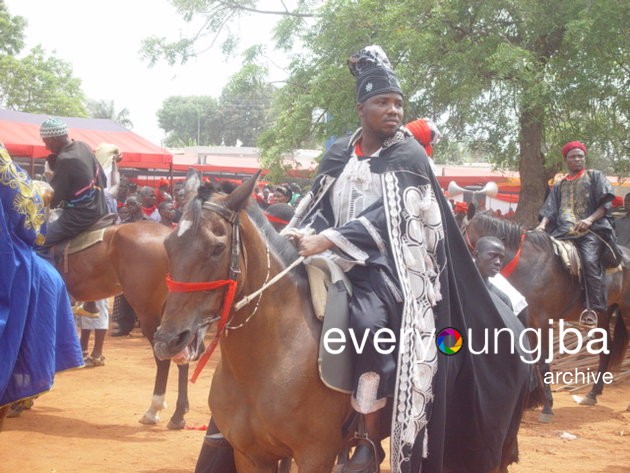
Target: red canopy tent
point(20, 134)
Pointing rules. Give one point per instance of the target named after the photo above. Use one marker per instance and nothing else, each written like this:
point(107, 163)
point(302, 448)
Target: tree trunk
point(532, 170)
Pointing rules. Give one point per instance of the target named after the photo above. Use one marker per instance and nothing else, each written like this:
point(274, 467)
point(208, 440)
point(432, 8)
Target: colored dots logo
point(449, 341)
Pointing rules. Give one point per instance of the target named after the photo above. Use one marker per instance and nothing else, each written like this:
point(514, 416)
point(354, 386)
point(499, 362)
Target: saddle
point(568, 253)
point(330, 294)
point(83, 240)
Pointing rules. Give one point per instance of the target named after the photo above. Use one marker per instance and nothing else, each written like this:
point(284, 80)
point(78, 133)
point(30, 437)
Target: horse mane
point(510, 232)
point(279, 244)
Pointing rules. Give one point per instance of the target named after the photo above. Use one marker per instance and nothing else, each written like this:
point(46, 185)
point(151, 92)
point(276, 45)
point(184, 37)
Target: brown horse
point(131, 259)
point(552, 293)
point(266, 395)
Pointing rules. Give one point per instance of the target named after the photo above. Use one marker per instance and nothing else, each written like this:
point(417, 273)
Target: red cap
point(572, 145)
point(461, 207)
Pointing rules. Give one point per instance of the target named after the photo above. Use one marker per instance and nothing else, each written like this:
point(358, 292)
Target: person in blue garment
point(37, 333)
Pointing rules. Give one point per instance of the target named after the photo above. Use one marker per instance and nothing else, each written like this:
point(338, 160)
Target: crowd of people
point(376, 209)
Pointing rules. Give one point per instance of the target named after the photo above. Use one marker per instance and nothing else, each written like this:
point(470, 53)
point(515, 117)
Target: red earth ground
point(89, 423)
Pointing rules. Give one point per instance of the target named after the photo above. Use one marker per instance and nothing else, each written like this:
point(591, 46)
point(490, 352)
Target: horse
point(266, 395)
point(552, 293)
point(131, 259)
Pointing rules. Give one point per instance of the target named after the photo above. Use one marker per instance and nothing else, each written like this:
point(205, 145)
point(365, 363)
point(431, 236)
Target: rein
point(509, 268)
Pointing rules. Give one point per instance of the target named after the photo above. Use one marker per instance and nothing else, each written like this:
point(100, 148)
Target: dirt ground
point(89, 423)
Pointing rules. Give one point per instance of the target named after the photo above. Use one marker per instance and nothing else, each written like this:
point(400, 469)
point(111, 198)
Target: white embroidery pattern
point(415, 232)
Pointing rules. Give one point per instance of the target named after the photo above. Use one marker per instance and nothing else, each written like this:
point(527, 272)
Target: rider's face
point(575, 160)
point(382, 114)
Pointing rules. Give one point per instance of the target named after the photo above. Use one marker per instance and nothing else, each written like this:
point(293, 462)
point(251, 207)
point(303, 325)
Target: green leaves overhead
point(37, 82)
point(514, 78)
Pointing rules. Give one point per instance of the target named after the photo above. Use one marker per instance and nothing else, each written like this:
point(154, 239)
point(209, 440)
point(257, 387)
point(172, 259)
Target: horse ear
point(239, 196)
point(193, 181)
point(470, 213)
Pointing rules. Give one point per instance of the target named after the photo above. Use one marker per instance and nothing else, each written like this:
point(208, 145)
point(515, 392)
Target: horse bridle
point(232, 282)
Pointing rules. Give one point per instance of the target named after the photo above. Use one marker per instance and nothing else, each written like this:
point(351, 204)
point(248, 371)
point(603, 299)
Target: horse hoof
point(545, 418)
point(176, 425)
point(588, 401)
point(148, 419)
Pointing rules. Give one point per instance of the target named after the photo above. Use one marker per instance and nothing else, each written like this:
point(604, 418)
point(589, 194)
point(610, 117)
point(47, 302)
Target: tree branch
point(236, 6)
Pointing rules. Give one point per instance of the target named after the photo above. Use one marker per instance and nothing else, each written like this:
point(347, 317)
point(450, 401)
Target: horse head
point(205, 260)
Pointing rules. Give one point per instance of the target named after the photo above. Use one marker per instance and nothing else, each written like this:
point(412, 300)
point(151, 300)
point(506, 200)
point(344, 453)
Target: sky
point(101, 40)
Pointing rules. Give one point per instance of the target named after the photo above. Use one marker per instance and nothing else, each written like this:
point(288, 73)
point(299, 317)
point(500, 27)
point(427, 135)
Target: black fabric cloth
point(592, 190)
point(622, 227)
point(78, 182)
point(474, 396)
point(124, 315)
point(370, 306)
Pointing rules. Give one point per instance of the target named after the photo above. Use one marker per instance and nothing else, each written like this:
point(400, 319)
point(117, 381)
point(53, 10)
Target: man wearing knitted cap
point(377, 210)
point(577, 209)
point(78, 182)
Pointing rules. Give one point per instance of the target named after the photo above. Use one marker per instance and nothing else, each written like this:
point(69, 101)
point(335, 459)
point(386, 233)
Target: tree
point(36, 83)
point(191, 120)
point(238, 117)
point(40, 84)
point(245, 104)
point(11, 31)
point(521, 76)
point(107, 109)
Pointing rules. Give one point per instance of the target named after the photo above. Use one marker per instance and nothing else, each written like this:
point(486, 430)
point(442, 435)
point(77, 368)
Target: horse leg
point(177, 421)
point(546, 415)
point(604, 360)
point(151, 416)
point(598, 387)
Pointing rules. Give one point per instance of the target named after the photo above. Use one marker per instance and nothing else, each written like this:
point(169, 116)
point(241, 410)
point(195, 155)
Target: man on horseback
point(576, 209)
point(78, 182)
point(377, 210)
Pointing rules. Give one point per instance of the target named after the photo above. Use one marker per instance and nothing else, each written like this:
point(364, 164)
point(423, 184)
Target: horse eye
point(218, 249)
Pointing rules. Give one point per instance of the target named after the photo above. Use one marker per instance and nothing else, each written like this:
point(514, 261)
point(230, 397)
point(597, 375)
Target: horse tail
point(619, 343)
point(537, 396)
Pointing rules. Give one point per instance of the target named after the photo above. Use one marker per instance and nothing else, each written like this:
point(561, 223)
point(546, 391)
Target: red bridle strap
point(228, 301)
point(509, 268)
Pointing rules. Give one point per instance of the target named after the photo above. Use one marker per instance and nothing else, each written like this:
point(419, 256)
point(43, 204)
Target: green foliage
point(11, 31)
point(239, 116)
point(513, 79)
point(40, 84)
point(188, 120)
point(36, 83)
point(245, 105)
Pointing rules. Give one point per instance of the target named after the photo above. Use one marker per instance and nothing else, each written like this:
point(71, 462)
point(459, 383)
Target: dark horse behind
point(552, 293)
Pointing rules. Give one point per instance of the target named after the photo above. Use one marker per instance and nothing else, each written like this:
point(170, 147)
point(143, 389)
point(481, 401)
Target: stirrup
point(588, 318)
point(377, 457)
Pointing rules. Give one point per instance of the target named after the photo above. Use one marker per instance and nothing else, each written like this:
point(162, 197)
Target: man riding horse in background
point(577, 209)
point(78, 182)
